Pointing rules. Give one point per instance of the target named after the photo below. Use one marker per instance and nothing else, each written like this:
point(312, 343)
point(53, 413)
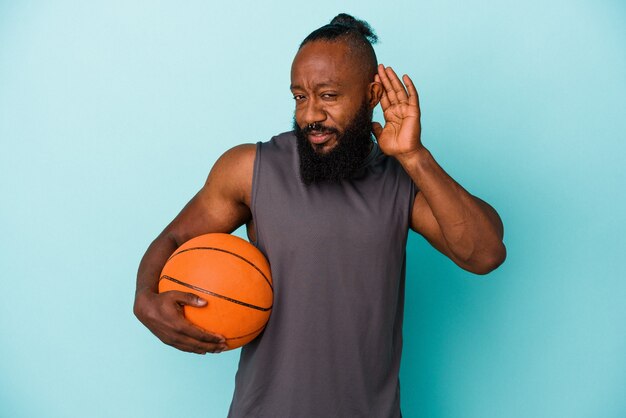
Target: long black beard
point(353, 147)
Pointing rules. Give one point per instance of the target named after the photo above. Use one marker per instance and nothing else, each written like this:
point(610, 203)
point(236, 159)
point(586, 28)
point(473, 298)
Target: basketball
point(234, 278)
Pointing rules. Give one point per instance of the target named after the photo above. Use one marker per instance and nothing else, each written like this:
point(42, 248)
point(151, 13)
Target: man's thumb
point(191, 300)
point(377, 129)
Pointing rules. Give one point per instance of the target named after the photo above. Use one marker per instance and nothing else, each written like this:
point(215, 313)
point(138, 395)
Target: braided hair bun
point(361, 26)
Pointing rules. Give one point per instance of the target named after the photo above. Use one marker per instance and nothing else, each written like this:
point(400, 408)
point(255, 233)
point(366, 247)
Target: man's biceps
point(423, 222)
point(430, 230)
point(422, 217)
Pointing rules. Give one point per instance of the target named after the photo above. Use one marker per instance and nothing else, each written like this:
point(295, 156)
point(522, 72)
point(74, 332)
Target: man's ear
point(374, 93)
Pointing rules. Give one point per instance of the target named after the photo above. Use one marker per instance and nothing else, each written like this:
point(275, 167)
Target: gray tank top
point(333, 343)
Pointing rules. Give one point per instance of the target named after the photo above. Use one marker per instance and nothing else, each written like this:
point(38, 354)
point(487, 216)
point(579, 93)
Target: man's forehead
point(326, 62)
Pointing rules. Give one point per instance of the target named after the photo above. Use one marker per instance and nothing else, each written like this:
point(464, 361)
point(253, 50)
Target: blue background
point(112, 113)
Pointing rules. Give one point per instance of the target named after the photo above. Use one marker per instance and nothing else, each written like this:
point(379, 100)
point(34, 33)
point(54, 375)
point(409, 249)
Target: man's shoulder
point(281, 141)
point(237, 155)
point(240, 158)
point(243, 155)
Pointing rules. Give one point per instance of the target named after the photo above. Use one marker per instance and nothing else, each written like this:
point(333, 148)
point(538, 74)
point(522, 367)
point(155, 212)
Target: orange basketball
point(232, 275)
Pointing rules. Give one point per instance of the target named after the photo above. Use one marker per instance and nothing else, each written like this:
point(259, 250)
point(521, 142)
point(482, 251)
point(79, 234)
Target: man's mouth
point(318, 137)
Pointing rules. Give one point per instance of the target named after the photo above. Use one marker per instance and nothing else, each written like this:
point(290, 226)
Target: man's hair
point(344, 26)
point(357, 34)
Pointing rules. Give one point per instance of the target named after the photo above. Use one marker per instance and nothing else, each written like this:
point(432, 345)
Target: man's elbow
point(489, 261)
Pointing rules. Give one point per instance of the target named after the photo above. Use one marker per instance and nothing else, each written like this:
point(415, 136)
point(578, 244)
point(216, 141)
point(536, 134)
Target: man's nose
point(313, 112)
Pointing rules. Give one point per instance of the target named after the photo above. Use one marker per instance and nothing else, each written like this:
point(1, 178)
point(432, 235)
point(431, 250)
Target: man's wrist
point(417, 159)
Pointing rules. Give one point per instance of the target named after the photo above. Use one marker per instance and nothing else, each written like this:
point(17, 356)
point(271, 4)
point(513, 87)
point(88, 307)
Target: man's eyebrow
point(323, 84)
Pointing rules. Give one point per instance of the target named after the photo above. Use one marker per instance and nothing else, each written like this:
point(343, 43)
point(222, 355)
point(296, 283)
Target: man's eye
point(329, 96)
point(298, 97)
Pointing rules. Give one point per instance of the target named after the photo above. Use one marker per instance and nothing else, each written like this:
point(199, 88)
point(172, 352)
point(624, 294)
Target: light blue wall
point(112, 113)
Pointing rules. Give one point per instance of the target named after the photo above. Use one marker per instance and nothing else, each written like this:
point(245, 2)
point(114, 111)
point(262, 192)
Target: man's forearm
point(153, 261)
point(472, 229)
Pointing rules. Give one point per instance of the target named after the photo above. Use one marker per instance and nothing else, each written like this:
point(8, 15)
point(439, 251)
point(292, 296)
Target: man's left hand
point(400, 137)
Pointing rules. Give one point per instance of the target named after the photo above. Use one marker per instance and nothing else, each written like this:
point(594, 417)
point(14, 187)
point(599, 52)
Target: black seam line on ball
point(217, 295)
point(239, 337)
point(227, 252)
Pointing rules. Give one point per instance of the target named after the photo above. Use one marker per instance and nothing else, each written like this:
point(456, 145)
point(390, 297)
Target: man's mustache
point(319, 128)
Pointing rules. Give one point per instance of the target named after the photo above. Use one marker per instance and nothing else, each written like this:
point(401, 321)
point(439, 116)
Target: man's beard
point(352, 148)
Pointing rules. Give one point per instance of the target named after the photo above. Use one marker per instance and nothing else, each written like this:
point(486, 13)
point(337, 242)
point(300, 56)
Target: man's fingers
point(384, 79)
point(393, 86)
point(185, 329)
point(397, 85)
point(164, 315)
point(199, 334)
point(193, 346)
point(384, 100)
point(188, 337)
point(413, 96)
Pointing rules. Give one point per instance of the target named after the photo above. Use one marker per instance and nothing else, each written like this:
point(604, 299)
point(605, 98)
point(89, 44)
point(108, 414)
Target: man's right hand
point(162, 313)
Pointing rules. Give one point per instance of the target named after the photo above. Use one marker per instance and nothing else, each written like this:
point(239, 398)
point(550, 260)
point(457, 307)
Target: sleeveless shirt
point(332, 345)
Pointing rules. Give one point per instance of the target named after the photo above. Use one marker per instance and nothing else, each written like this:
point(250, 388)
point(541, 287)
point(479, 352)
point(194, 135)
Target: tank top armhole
point(255, 186)
point(413, 191)
point(406, 182)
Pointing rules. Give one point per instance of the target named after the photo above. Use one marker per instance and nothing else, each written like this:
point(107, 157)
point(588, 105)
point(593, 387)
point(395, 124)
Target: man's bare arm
point(461, 226)
point(222, 205)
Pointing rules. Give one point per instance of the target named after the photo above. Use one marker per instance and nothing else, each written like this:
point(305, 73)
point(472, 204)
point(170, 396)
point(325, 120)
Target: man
point(331, 210)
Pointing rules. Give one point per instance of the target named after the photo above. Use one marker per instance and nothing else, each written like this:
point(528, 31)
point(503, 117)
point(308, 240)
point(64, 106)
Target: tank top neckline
point(374, 152)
